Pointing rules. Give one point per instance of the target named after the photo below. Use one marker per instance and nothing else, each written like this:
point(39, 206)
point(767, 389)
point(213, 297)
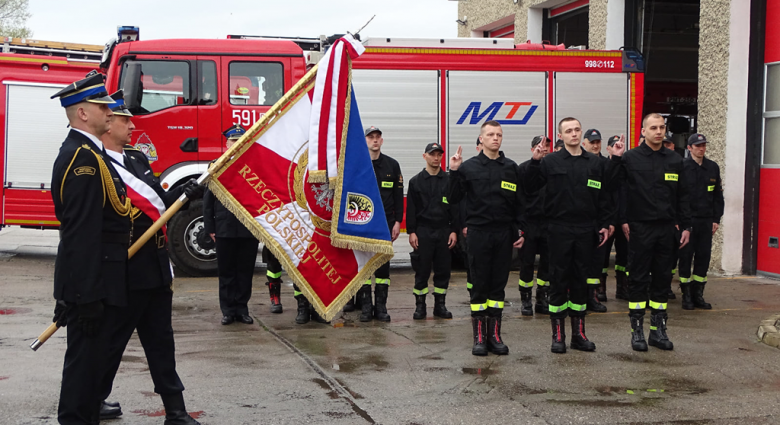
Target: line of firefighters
point(568, 207)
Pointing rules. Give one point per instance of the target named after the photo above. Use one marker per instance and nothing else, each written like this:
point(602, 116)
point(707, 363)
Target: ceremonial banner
point(330, 235)
point(141, 195)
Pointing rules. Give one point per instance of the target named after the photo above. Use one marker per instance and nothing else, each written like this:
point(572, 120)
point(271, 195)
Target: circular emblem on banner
point(360, 209)
point(317, 198)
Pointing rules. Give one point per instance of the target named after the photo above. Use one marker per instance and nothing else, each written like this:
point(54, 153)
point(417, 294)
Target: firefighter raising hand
point(620, 146)
point(539, 151)
point(456, 159)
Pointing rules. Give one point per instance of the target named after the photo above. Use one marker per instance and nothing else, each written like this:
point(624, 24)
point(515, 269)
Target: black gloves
point(193, 190)
point(90, 317)
point(60, 314)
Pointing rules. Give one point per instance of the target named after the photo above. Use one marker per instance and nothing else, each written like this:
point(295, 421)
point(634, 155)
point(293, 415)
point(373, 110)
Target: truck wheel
point(185, 252)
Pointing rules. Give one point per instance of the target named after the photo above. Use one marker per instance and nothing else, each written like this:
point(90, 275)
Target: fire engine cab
point(184, 93)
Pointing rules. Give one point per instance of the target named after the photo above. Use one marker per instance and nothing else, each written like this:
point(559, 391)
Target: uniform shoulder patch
point(80, 171)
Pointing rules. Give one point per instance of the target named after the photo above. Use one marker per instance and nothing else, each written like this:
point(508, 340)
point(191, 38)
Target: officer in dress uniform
point(149, 281)
point(432, 233)
point(391, 188)
point(656, 208)
point(535, 243)
point(236, 251)
point(489, 184)
point(706, 192)
point(91, 204)
point(597, 277)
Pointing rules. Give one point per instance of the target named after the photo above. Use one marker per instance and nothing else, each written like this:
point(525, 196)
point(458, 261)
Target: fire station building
point(711, 66)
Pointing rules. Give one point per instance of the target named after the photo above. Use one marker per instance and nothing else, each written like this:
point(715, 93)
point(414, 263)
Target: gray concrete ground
point(405, 372)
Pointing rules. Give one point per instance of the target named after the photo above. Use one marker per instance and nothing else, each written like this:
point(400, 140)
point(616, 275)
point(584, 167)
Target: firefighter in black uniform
point(91, 204)
point(391, 188)
point(578, 209)
point(658, 216)
point(669, 144)
point(535, 243)
point(597, 277)
point(236, 251)
point(432, 233)
point(619, 241)
point(149, 281)
point(273, 273)
point(702, 176)
point(489, 183)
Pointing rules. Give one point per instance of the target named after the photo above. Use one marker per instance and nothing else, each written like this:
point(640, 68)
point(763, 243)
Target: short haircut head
point(490, 123)
point(650, 115)
point(567, 119)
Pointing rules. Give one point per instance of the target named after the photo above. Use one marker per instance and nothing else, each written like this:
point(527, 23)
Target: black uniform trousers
point(82, 372)
point(698, 251)
point(597, 264)
point(535, 243)
point(571, 258)
point(621, 251)
point(490, 255)
point(433, 252)
point(273, 267)
point(382, 274)
point(650, 253)
point(149, 312)
point(236, 263)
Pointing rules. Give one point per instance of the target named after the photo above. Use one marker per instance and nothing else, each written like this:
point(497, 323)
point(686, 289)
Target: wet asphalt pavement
point(406, 371)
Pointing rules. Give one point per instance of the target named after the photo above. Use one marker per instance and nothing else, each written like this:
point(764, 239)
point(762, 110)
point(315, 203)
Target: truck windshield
point(165, 84)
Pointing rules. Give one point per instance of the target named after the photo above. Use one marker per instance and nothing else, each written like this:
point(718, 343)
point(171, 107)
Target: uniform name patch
point(670, 177)
point(387, 184)
point(444, 199)
point(594, 184)
point(710, 188)
point(80, 171)
point(509, 186)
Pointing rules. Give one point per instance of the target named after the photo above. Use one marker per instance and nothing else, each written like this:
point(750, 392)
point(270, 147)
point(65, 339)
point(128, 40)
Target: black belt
point(158, 239)
point(120, 238)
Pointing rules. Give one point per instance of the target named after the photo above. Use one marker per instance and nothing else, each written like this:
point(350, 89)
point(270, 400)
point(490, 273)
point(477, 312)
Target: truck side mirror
point(132, 86)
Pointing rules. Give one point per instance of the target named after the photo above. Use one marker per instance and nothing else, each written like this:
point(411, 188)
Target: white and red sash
point(141, 194)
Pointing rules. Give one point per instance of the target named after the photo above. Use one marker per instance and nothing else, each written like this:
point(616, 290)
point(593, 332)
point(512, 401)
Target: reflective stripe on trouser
point(650, 256)
point(698, 251)
point(540, 282)
point(382, 281)
point(420, 291)
point(684, 280)
point(490, 254)
point(657, 306)
point(571, 261)
point(524, 284)
point(637, 305)
point(273, 275)
point(593, 281)
point(469, 285)
point(620, 268)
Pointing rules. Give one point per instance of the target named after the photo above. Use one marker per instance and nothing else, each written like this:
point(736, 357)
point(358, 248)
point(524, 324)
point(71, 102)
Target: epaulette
point(131, 148)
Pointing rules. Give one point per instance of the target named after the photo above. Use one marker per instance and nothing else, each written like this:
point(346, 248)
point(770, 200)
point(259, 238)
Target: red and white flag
point(142, 195)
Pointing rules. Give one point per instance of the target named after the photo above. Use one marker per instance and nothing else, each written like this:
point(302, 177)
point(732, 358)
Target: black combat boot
point(479, 326)
point(594, 304)
point(526, 307)
point(602, 290)
point(698, 296)
point(316, 316)
point(440, 308)
point(366, 307)
point(638, 342)
point(621, 286)
point(494, 343)
point(275, 289)
point(558, 336)
point(303, 310)
point(380, 299)
point(687, 298)
point(578, 339)
point(175, 412)
point(420, 311)
point(110, 410)
point(542, 299)
point(658, 337)
point(350, 305)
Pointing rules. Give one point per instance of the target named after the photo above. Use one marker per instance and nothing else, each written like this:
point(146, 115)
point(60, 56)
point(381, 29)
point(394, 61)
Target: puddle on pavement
point(666, 386)
point(352, 365)
point(597, 403)
point(630, 358)
point(336, 415)
point(517, 389)
point(429, 336)
point(10, 311)
point(432, 357)
point(436, 369)
point(478, 371)
point(354, 395)
point(325, 386)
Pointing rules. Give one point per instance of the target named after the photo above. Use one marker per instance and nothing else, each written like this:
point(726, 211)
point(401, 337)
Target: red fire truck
point(184, 93)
